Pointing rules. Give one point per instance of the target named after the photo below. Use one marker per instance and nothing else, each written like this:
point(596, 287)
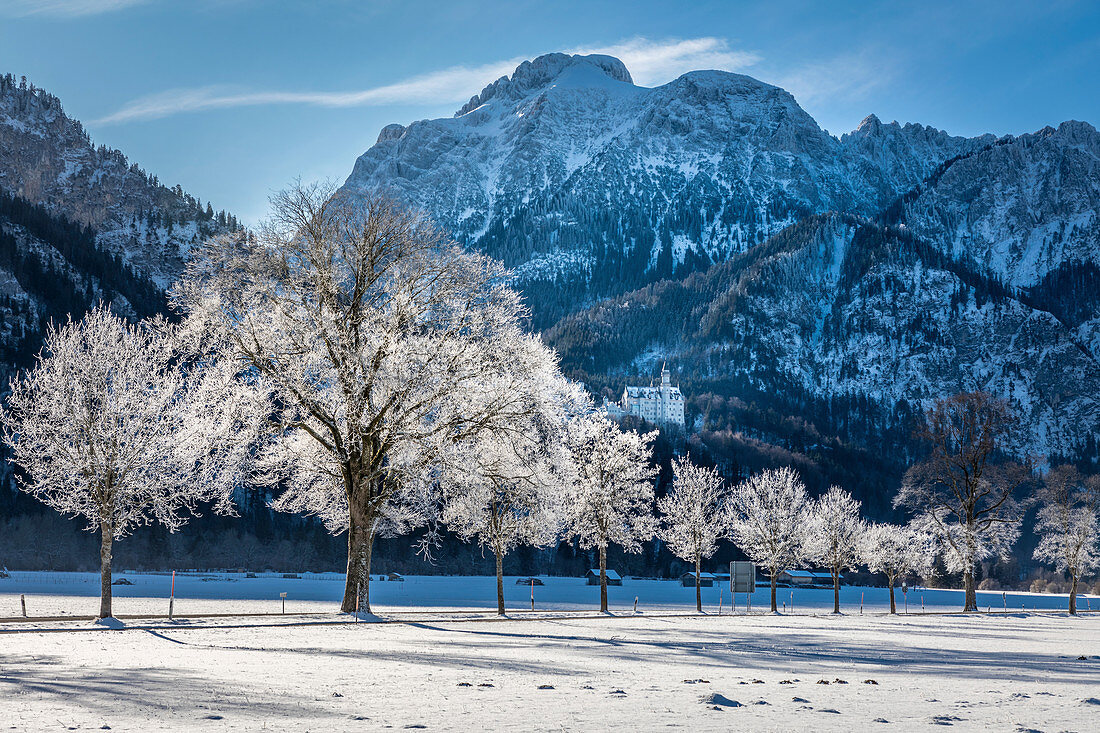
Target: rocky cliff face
point(1020, 209)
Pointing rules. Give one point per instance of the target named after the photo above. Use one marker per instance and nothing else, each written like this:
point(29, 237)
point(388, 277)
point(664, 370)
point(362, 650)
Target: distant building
point(804, 577)
point(663, 405)
point(593, 577)
point(706, 580)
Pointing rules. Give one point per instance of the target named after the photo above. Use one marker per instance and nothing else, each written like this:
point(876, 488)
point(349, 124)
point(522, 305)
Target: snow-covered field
point(57, 594)
point(646, 672)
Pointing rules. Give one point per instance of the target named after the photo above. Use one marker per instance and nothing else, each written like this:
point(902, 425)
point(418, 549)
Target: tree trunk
point(836, 591)
point(500, 585)
point(105, 547)
point(603, 580)
point(357, 584)
point(893, 607)
point(1073, 595)
point(775, 609)
point(971, 596)
point(698, 589)
point(968, 574)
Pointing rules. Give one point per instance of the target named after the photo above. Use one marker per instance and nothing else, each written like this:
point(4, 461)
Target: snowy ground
point(993, 672)
point(58, 594)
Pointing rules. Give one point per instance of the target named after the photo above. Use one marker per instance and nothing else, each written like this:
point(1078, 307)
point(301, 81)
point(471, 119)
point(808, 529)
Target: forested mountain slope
point(47, 158)
point(868, 322)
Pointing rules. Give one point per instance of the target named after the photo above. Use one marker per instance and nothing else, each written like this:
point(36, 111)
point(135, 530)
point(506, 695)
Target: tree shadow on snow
point(169, 695)
point(800, 649)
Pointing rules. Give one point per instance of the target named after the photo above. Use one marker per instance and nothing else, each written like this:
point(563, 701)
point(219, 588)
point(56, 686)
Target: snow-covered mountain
point(568, 171)
point(954, 263)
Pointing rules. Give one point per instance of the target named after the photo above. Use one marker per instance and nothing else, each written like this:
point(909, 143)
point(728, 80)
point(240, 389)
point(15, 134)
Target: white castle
point(662, 405)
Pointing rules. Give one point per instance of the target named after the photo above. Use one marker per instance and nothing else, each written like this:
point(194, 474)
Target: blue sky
point(233, 99)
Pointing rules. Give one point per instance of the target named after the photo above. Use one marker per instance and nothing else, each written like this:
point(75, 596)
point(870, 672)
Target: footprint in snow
point(1091, 701)
point(945, 719)
point(799, 699)
point(880, 720)
point(617, 692)
point(464, 684)
point(546, 687)
point(761, 702)
point(829, 710)
point(486, 684)
point(719, 701)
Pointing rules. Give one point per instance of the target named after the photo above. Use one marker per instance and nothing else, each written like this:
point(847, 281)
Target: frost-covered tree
point(506, 488)
point(834, 532)
point(693, 515)
point(1069, 525)
point(768, 515)
point(895, 552)
point(382, 342)
point(116, 426)
point(962, 493)
point(611, 497)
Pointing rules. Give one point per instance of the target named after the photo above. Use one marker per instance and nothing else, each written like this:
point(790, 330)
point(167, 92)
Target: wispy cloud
point(846, 78)
point(650, 62)
point(63, 8)
point(656, 62)
point(447, 86)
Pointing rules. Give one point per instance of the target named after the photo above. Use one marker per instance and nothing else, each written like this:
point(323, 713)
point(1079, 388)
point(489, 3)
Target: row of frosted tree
point(359, 362)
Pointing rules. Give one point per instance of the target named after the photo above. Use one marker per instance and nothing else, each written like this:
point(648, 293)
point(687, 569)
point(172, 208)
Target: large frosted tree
point(117, 425)
point(833, 538)
point(505, 488)
point(1068, 525)
point(964, 492)
point(611, 497)
point(895, 552)
point(693, 515)
point(382, 342)
point(768, 515)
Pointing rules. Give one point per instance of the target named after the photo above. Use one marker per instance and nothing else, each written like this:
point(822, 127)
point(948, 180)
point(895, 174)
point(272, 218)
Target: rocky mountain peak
point(390, 132)
point(871, 125)
point(548, 70)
